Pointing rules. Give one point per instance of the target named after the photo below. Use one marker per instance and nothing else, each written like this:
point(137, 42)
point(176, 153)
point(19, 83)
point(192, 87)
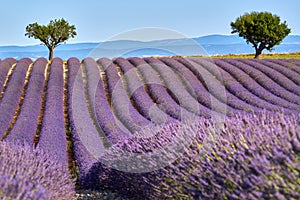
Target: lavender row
point(229, 65)
point(285, 68)
point(296, 64)
point(238, 90)
point(120, 101)
point(52, 138)
point(215, 86)
point(232, 163)
point(25, 127)
point(5, 66)
point(267, 82)
point(240, 163)
point(85, 137)
point(141, 98)
point(12, 95)
point(158, 91)
point(176, 87)
point(99, 103)
point(27, 173)
point(196, 88)
point(279, 78)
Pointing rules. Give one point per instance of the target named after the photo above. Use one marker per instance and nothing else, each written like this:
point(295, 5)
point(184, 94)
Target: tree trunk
point(51, 53)
point(257, 53)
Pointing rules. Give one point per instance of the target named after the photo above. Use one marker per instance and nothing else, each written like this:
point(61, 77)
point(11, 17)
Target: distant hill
point(206, 45)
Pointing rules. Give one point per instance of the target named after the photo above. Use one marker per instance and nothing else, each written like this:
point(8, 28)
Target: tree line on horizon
point(263, 30)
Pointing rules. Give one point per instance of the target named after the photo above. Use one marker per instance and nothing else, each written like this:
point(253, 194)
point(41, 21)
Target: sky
point(101, 20)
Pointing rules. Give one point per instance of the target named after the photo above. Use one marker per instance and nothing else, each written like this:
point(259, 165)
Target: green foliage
point(262, 29)
point(53, 34)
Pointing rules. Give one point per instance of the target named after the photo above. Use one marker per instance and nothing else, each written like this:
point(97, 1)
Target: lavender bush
point(27, 173)
point(276, 76)
point(255, 156)
point(229, 65)
point(25, 127)
point(5, 66)
point(196, 88)
point(176, 87)
point(267, 82)
point(214, 84)
point(12, 95)
point(99, 103)
point(120, 101)
point(237, 89)
point(53, 134)
point(157, 90)
point(85, 146)
point(284, 68)
point(141, 98)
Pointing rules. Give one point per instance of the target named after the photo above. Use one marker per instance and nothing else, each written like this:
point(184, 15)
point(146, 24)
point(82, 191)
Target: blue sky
point(99, 20)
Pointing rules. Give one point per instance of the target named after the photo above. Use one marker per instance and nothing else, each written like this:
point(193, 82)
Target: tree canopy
point(262, 29)
point(51, 35)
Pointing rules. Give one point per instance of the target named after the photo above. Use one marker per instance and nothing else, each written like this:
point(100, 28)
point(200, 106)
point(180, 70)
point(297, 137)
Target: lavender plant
point(267, 82)
point(229, 65)
point(157, 90)
point(25, 127)
point(214, 84)
point(284, 68)
point(176, 87)
point(237, 89)
point(52, 138)
point(5, 66)
point(276, 76)
point(85, 146)
point(255, 156)
point(12, 95)
point(196, 88)
point(120, 101)
point(143, 102)
point(27, 173)
point(99, 103)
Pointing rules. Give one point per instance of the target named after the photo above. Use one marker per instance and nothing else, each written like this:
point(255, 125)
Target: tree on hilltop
point(262, 29)
point(51, 35)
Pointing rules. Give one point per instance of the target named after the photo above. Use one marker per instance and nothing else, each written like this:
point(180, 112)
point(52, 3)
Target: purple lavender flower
point(120, 101)
point(5, 66)
point(99, 103)
point(12, 95)
point(25, 127)
point(53, 134)
point(27, 173)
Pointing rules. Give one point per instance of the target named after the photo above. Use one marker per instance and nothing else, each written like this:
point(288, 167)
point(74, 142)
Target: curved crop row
point(25, 127)
point(85, 146)
point(239, 90)
point(5, 66)
point(285, 68)
point(267, 82)
point(230, 66)
point(215, 86)
point(176, 87)
point(296, 64)
point(120, 101)
point(157, 90)
point(196, 88)
point(101, 109)
point(12, 95)
point(52, 137)
point(276, 76)
point(141, 98)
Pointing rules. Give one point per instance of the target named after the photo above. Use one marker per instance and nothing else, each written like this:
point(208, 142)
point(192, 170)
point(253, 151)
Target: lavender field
point(150, 128)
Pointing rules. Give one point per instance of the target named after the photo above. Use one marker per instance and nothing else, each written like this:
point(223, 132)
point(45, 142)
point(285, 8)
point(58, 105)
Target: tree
point(51, 35)
point(262, 29)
